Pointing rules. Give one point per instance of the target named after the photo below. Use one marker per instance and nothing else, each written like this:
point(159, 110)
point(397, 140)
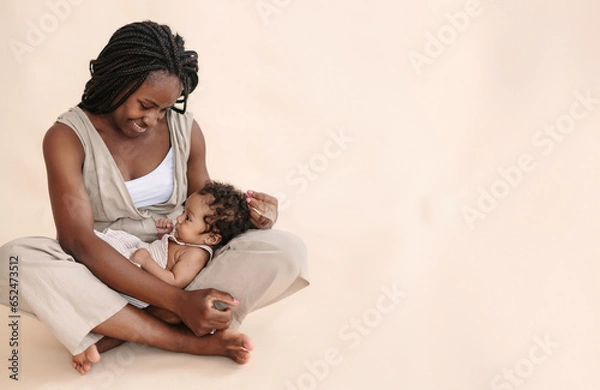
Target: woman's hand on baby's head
point(163, 226)
point(263, 209)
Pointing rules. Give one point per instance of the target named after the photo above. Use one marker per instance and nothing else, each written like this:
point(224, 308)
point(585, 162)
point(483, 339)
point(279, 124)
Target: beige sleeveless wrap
point(112, 205)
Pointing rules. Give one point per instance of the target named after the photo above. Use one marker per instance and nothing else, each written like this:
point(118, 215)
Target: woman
point(127, 156)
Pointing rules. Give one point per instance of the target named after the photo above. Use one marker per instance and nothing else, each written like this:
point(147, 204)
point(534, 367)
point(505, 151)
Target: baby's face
point(190, 227)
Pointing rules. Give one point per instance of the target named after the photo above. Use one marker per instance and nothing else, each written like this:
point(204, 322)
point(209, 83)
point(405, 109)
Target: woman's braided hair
point(231, 213)
point(131, 54)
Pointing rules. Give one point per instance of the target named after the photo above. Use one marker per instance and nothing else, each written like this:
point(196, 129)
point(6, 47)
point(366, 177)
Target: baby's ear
point(213, 239)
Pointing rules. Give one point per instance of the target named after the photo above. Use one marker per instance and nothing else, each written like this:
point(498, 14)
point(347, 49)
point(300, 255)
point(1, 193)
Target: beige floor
point(404, 115)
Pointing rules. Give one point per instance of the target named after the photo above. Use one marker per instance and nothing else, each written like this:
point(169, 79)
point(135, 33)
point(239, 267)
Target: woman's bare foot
point(229, 343)
point(83, 362)
point(151, 331)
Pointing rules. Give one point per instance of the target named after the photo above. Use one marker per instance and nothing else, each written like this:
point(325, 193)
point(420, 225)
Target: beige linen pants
point(258, 268)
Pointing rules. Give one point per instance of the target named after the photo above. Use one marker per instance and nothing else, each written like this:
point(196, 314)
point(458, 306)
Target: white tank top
point(154, 188)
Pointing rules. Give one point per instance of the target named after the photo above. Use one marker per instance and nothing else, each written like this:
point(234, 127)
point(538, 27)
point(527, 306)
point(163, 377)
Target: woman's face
point(148, 104)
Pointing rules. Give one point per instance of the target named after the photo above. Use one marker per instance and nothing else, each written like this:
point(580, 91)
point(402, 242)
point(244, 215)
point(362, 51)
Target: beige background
point(385, 210)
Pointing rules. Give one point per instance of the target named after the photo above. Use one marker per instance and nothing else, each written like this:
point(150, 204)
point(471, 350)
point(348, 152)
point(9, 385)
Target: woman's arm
point(73, 216)
point(197, 174)
point(72, 210)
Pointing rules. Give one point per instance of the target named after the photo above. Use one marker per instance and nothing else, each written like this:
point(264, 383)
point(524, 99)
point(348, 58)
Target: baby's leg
point(141, 257)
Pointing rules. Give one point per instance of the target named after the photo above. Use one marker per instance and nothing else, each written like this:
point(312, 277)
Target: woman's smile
point(138, 128)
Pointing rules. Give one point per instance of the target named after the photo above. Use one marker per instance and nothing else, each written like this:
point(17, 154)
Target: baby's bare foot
point(83, 362)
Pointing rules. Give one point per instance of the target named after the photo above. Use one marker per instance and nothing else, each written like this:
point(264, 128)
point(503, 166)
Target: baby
point(212, 216)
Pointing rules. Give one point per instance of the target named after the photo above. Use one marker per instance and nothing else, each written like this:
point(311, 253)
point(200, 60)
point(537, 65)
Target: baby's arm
point(163, 226)
point(187, 265)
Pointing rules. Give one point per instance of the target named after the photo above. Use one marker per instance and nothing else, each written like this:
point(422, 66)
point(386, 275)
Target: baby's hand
point(164, 226)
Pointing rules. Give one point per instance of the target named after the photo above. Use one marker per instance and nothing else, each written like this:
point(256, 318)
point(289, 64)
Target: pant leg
point(62, 293)
point(258, 268)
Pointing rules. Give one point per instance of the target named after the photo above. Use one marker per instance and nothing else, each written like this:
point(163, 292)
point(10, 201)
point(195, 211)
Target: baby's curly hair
point(231, 212)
